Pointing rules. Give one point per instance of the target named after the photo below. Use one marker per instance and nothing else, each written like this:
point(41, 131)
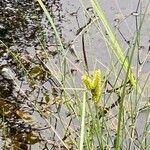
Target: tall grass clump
point(96, 129)
point(97, 108)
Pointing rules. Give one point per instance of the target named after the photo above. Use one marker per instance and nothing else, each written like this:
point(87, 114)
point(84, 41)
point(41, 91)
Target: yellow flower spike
point(94, 85)
point(87, 81)
point(96, 78)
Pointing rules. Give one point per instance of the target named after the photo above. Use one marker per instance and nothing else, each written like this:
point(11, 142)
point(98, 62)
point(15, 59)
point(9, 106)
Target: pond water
point(26, 34)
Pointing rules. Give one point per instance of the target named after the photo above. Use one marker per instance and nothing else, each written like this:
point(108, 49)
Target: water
point(23, 27)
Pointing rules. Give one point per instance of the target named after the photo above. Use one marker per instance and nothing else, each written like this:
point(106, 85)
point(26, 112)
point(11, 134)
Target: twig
point(84, 54)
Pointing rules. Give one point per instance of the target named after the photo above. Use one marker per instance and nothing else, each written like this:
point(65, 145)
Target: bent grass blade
point(116, 46)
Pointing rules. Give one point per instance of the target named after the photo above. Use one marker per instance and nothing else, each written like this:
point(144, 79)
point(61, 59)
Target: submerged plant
point(93, 84)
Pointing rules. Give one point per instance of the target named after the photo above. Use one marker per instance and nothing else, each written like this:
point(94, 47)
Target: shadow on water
point(24, 79)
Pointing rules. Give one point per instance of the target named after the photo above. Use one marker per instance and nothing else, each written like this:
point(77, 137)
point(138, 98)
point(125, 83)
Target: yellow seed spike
point(96, 93)
point(96, 78)
point(87, 81)
point(93, 85)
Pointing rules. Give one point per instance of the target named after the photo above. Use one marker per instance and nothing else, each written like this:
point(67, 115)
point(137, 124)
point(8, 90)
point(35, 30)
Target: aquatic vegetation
point(42, 104)
point(93, 84)
point(114, 43)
